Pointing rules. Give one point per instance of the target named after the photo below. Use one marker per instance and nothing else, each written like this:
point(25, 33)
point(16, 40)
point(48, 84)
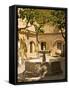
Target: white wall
point(4, 40)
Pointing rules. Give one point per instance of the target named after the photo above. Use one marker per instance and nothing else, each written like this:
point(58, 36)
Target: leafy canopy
point(42, 16)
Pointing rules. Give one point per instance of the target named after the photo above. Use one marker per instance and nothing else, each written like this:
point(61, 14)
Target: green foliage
point(59, 18)
point(42, 16)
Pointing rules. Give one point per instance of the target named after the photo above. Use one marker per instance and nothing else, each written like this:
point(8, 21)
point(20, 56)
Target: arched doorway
point(59, 47)
point(32, 47)
point(43, 45)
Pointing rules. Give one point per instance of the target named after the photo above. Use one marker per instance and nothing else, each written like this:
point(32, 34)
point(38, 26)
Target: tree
point(43, 16)
point(32, 16)
point(59, 20)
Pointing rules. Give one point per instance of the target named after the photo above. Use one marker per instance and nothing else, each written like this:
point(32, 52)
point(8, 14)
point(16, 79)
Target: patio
point(55, 69)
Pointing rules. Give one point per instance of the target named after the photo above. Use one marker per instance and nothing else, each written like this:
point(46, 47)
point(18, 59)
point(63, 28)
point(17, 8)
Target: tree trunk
point(63, 34)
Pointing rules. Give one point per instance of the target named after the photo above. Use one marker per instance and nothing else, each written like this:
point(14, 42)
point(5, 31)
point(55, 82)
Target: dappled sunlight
point(41, 44)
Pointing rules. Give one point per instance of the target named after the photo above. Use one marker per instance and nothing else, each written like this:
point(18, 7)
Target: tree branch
point(62, 34)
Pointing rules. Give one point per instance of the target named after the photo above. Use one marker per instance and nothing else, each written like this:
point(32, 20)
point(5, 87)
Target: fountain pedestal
point(53, 67)
point(43, 52)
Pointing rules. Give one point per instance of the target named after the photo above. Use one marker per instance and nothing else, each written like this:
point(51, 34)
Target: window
point(59, 45)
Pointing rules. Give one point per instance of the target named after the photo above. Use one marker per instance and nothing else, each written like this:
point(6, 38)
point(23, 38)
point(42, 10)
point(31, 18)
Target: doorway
point(43, 45)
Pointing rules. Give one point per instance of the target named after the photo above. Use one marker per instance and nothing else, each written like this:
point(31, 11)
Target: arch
point(59, 41)
point(32, 46)
point(44, 45)
point(59, 45)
